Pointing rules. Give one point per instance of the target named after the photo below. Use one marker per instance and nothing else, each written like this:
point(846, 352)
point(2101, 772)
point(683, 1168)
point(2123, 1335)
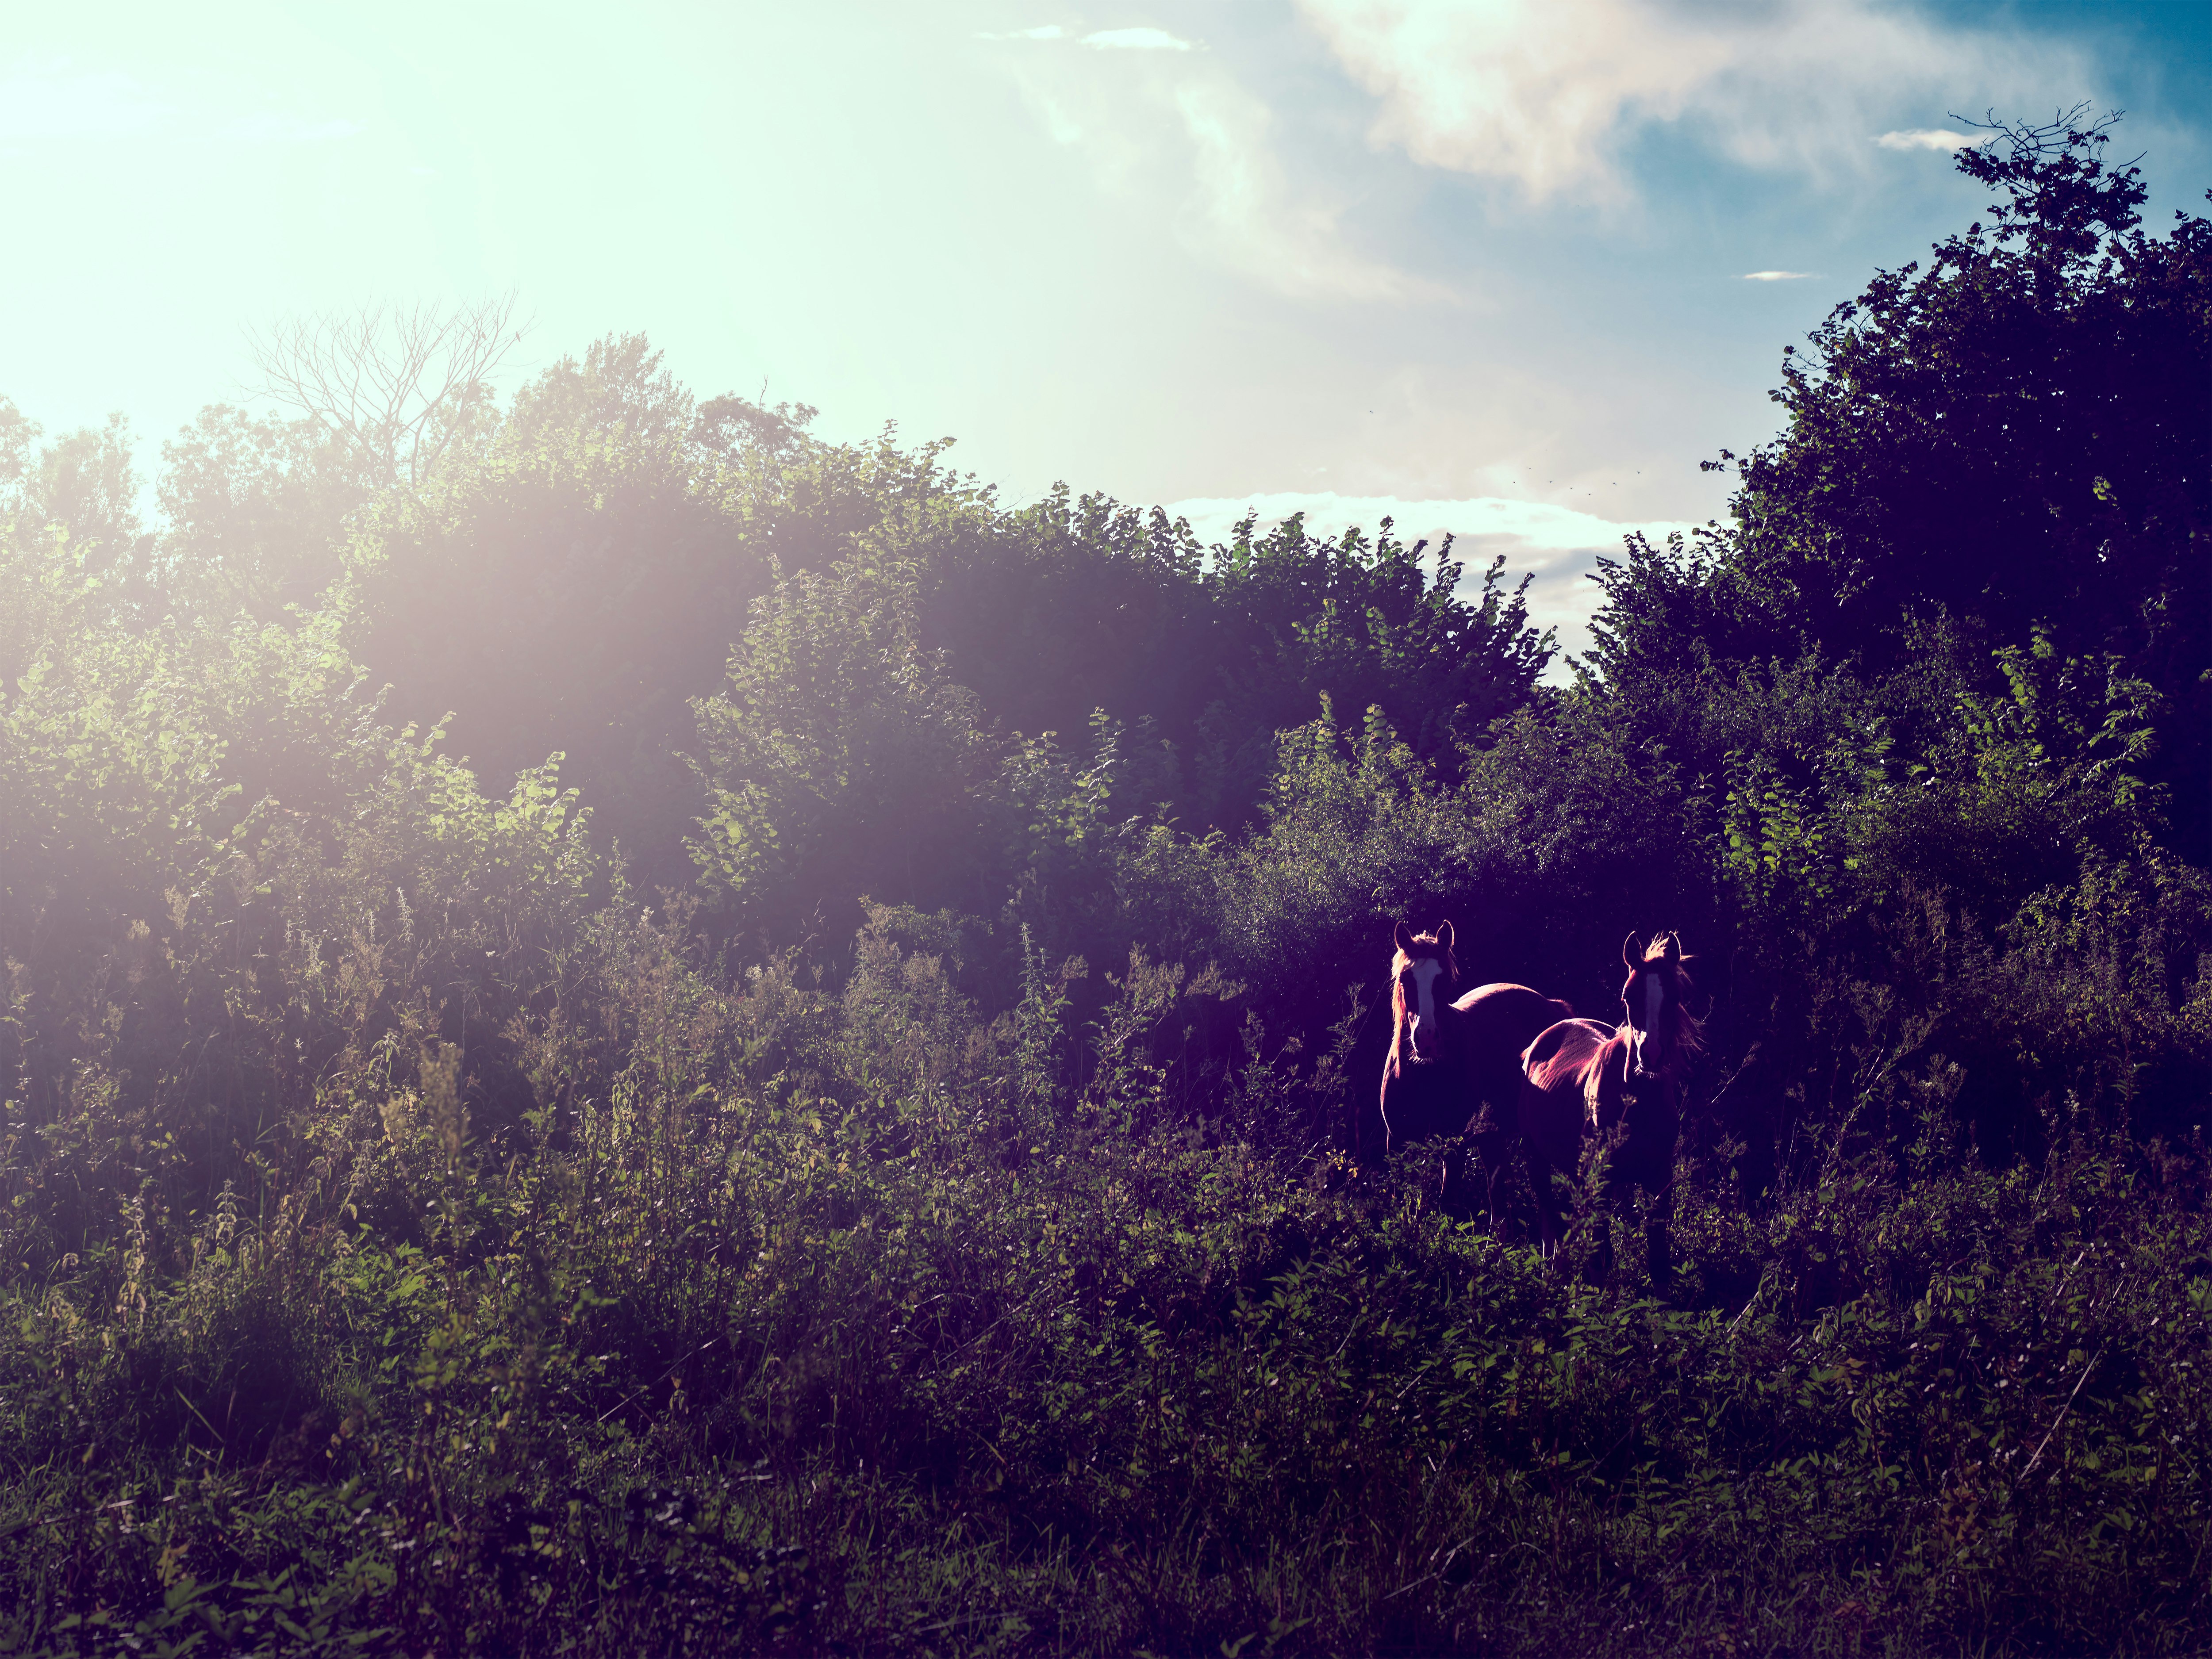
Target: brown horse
point(1622, 1085)
point(1454, 1062)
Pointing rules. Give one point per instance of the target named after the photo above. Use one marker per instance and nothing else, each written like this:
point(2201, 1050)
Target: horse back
point(1495, 1012)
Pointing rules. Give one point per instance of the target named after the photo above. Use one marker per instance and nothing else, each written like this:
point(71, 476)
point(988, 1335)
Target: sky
point(1505, 267)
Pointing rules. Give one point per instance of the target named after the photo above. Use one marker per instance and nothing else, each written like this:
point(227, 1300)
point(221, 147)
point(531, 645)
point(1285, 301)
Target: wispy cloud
point(1925, 138)
point(1136, 40)
point(1247, 215)
point(1130, 39)
point(1171, 128)
point(1549, 94)
point(1776, 276)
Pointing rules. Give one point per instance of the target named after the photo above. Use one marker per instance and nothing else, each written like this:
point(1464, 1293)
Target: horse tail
point(1553, 1059)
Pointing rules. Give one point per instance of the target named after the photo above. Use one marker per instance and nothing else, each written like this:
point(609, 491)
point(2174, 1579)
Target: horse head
point(1656, 999)
point(1425, 977)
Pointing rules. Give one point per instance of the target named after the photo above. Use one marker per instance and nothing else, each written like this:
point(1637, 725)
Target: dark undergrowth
point(864, 1324)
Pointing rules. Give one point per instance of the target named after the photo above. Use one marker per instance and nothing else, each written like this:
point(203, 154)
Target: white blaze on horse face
point(1654, 1001)
point(1426, 1024)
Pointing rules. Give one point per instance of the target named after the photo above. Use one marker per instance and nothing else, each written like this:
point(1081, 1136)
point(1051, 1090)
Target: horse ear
point(1444, 935)
point(1628, 951)
point(1403, 939)
point(1674, 950)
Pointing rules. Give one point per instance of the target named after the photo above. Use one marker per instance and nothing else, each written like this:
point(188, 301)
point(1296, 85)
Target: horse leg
point(1489, 1160)
point(1452, 1194)
point(1659, 1243)
point(1370, 1135)
point(1659, 1234)
point(1652, 1168)
point(1550, 1223)
point(1600, 1262)
point(1551, 1135)
point(1613, 1192)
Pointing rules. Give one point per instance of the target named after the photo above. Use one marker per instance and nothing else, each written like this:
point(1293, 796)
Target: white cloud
point(1776, 276)
point(1135, 41)
point(1047, 32)
point(1548, 94)
point(1546, 532)
point(1925, 138)
point(1247, 215)
point(1558, 547)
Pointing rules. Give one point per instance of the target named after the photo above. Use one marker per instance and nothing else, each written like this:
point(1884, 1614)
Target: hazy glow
point(1176, 254)
point(54, 100)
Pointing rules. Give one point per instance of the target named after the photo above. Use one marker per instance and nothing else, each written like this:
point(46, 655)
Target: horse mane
point(1689, 1029)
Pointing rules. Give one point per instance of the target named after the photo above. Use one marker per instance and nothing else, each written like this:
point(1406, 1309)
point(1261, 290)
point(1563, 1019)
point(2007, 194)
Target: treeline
point(429, 831)
point(1923, 725)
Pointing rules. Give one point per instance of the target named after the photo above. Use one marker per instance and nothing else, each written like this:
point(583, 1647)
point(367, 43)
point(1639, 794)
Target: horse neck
point(1681, 1034)
point(1671, 1071)
point(1681, 1031)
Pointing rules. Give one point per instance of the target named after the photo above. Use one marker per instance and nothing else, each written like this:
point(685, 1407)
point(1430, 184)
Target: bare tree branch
point(395, 383)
